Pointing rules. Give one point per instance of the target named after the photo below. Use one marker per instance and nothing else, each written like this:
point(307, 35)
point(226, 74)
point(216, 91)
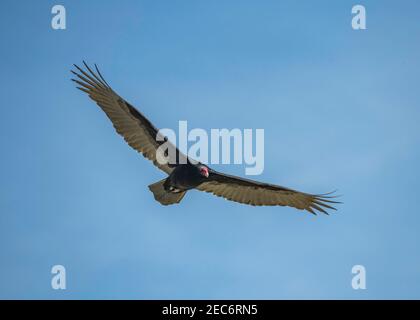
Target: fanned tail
point(165, 197)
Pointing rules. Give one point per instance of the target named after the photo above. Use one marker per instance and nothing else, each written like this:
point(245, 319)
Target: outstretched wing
point(135, 128)
point(262, 194)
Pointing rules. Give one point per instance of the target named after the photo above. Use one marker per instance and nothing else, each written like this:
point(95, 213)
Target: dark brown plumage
point(142, 136)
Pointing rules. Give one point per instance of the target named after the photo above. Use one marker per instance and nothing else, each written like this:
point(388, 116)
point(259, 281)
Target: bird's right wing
point(135, 128)
point(263, 194)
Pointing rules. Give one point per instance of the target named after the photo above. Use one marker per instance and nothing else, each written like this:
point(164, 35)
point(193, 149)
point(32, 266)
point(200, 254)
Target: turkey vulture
point(185, 175)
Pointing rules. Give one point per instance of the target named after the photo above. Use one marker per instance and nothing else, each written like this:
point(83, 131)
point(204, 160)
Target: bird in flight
point(183, 173)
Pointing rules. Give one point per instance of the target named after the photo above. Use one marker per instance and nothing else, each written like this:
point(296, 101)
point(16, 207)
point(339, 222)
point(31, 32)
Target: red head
point(204, 171)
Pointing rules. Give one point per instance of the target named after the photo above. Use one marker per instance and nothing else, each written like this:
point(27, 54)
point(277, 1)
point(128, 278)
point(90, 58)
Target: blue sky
point(340, 109)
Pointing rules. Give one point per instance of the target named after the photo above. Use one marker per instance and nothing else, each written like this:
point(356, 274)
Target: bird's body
point(184, 174)
point(172, 189)
point(184, 177)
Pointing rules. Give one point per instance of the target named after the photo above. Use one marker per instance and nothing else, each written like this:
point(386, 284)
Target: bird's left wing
point(135, 128)
point(263, 194)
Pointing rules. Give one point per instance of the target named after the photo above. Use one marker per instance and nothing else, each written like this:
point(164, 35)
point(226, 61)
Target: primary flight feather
point(183, 173)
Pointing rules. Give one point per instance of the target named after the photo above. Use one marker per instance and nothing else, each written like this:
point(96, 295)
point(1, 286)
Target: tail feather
point(165, 197)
